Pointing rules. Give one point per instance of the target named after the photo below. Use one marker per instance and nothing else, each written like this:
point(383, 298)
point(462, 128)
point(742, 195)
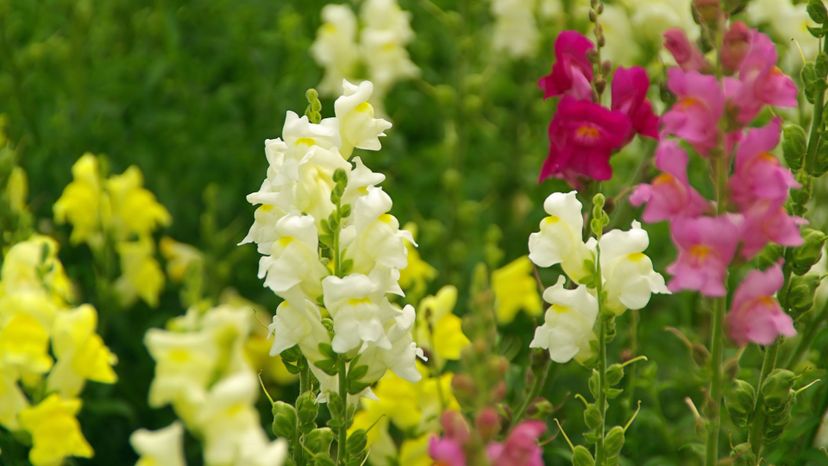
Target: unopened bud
point(463, 386)
point(805, 256)
point(488, 423)
point(776, 391)
point(307, 409)
point(708, 11)
point(455, 426)
point(582, 457)
point(736, 43)
point(614, 441)
point(740, 402)
point(793, 145)
point(284, 420)
point(319, 439)
point(801, 292)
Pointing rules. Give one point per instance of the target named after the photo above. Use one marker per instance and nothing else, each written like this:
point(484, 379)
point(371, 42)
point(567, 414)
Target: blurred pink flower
point(582, 137)
point(670, 194)
point(520, 448)
point(572, 72)
point(735, 45)
point(629, 96)
point(768, 222)
point(755, 315)
point(446, 452)
point(687, 55)
point(695, 116)
point(706, 247)
point(760, 82)
point(758, 175)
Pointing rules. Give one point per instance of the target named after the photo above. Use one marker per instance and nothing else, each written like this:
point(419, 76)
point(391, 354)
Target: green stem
point(537, 386)
point(808, 336)
point(342, 440)
point(816, 124)
point(714, 409)
point(602, 361)
point(757, 431)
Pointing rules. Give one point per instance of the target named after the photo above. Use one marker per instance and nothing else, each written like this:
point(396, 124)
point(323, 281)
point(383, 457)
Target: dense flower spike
point(755, 315)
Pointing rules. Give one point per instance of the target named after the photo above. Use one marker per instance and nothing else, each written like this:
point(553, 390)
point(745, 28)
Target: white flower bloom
point(299, 324)
point(163, 447)
point(567, 328)
point(357, 126)
point(359, 309)
point(650, 18)
point(335, 47)
point(294, 257)
point(789, 24)
point(386, 33)
point(629, 278)
point(515, 29)
point(560, 238)
point(617, 29)
point(400, 357)
point(360, 179)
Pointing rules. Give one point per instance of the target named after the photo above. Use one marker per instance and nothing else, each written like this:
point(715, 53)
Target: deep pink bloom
point(768, 222)
point(706, 246)
point(629, 96)
point(695, 116)
point(758, 175)
point(755, 315)
point(520, 448)
point(670, 194)
point(572, 72)
point(760, 81)
point(687, 55)
point(446, 452)
point(582, 137)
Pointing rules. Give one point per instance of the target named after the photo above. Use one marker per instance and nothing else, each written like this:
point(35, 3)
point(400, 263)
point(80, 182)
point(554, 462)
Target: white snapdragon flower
point(298, 324)
point(359, 310)
point(400, 357)
point(335, 47)
point(629, 278)
point(294, 258)
point(385, 34)
point(515, 29)
point(163, 447)
point(567, 328)
point(560, 239)
point(357, 126)
point(650, 18)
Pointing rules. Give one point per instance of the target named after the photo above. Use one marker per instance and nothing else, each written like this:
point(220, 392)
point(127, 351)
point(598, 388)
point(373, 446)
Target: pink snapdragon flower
point(572, 72)
point(687, 55)
point(706, 247)
point(670, 195)
point(758, 175)
point(768, 222)
point(735, 45)
point(629, 96)
point(583, 136)
point(695, 116)
point(755, 315)
point(520, 448)
point(446, 452)
point(760, 82)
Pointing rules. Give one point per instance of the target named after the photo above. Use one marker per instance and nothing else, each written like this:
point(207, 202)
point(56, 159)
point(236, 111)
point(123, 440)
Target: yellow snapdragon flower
point(55, 431)
point(82, 203)
point(135, 211)
point(415, 276)
point(141, 274)
point(180, 257)
point(33, 265)
point(24, 343)
point(515, 289)
point(414, 452)
point(12, 399)
point(438, 329)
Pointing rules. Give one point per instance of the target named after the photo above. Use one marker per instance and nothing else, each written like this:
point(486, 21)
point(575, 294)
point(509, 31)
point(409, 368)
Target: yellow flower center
point(587, 131)
point(636, 256)
point(559, 309)
point(552, 219)
point(284, 241)
point(358, 301)
point(689, 102)
point(306, 141)
point(700, 252)
point(364, 107)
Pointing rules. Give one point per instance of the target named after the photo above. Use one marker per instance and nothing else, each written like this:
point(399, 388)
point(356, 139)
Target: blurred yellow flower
point(17, 190)
point(438, 329)
point(180, 257)
point(515, 289)
point(55, 431)
point(141, 275)
point(12, 400)
point(415, 276)
point(81, 353)
point(135, 211)
point(33, 265)
point(24, 343)
point(82, 203)
point(414, 452)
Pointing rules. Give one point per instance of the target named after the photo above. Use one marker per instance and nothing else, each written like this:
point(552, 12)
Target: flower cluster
point(583, 134)
point(116, 212)
point(203, 372)
point(627, 276)
point(711, 117)
point(330, 248)
point(341, 46)
point(39, 388)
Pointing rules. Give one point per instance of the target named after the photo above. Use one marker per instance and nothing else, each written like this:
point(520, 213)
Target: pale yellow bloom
point(438, 329)
point(24, 343)
point(33, 265)
point(82, 203)
point(55, 431)
point(418, 273)
point(180, 257)
point(141, 275)
point(515, 289)
point(414, 452)
point(12, 400)
point(163, 447)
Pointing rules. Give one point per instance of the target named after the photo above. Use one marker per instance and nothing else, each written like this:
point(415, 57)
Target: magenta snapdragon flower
point(572, 72)
point(446, 452)
point(629, 96)
point(520, 448)
point(670, 195)
point(706, 246)
point(755, 315)
point(583, 136)
point(695, 115)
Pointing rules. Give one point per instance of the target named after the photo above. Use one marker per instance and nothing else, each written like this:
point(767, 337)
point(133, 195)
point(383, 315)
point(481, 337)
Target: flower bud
point(743, 455)
point(741, 401)
point(499, 391)
point(817, 11)
point(805, 256)
point(592, 416)
point(736, 43)
point(793, 145)
point(307, 409)
point(455, 426)
point(463, 387)
point(582, 457)
point(488, 423)
point(319, 439)
point(708, 11)
point(614, 441)
point(801, 292)
point(776, 391)
point(615, 373)
point(357, 442)
point(284, 420)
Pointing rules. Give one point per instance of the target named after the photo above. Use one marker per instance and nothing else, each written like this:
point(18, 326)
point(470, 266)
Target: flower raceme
point(583, 134)
point(330, 247)
point(628, 277)
point(712, 116)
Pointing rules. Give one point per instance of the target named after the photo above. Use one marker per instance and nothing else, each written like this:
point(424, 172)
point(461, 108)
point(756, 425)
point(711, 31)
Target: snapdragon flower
point(515, 29)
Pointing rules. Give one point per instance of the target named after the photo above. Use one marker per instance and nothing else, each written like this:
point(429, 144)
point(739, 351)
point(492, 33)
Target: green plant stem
point(602, 362)
point(808, 336)
point(816, 124)
point(537, 386)
point(342, 439)
point(714, 409)
point(757, 431)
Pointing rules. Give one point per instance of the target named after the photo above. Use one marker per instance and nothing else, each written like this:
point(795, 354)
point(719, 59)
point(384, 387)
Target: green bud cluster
point(308, 444)
point(314, 109)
